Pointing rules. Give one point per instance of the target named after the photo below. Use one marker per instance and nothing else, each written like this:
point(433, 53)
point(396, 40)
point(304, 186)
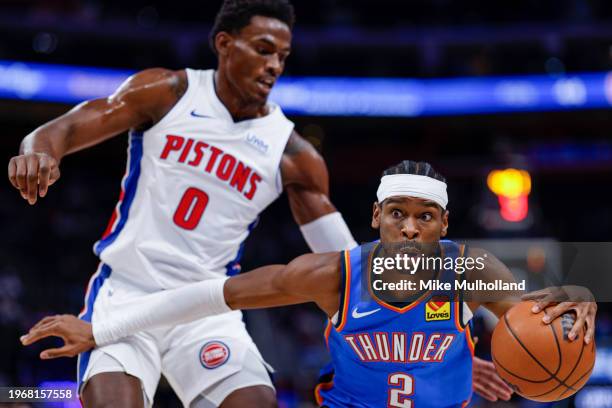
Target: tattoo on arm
point(297, 144)
point(180, 85)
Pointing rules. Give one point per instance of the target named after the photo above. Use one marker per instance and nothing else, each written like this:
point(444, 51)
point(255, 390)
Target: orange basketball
point(537, 359)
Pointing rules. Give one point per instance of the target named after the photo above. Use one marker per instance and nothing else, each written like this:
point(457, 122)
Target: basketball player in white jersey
point(207, 154)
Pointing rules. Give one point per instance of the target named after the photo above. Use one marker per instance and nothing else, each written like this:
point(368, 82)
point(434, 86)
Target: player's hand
point(564, 299)
point(32, 174)
point(76, 333)
point(487, 383)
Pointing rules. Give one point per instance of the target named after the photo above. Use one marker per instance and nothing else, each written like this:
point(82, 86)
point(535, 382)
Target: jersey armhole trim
point(345, 289)
point(180, 104)
point(461, 323)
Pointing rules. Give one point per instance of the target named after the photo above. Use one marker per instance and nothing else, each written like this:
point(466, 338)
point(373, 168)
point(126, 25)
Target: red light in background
point(513, 209)
point(512, 187)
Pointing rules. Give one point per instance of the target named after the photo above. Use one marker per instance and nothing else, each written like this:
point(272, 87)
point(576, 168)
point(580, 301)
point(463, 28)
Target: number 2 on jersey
point(398, 397)
point(190, 208)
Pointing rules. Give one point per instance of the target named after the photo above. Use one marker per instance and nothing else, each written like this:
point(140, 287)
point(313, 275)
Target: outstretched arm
point(308, 278)
point(306, 181)
point(142, 100)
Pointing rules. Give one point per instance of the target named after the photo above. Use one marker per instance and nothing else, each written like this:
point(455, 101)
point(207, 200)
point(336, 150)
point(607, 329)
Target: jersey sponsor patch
point(258, 144)
point(214, 354)
point(437, 309)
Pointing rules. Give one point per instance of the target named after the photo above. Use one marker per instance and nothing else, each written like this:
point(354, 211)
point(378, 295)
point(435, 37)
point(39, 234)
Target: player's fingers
point(590, 333)
point(44, 172)
point(500, 387)
point(542, 304)
point(65, 351)
point(12, 172)
point(55, 174)
point(485, 393)
point(46, 319)
point(41, 333)
point(578, 324)
point(500, 392)
point(20, 176)
point(538, 294)
point(554, 312)
point(43, 321)
point(32, 178)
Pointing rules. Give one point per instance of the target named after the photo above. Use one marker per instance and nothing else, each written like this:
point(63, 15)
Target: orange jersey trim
point(347, 290)
point(326, 333)
point(469, 340)
point(319, 387)
point(456, 305)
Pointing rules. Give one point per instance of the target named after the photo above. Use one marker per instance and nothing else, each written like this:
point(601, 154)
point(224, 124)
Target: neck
point(237, 105)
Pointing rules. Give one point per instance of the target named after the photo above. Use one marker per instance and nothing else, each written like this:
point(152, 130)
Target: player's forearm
point(261, 288)
point(328, 233)
point(85, 125)
point(161, 309)
point(51, 138)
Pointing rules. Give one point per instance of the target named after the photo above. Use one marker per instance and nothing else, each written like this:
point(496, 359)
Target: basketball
point(537, 359)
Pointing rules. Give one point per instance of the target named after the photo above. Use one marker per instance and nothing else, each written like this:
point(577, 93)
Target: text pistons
point(214, 161)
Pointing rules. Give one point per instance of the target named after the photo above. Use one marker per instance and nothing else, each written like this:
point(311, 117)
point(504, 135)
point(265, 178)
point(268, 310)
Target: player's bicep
point(308, 278)
point(141, 100)
point(306, 180)
point(315, 278)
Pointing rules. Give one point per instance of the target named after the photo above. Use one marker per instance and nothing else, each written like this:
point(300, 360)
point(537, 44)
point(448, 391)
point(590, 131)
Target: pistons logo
point(214, 354)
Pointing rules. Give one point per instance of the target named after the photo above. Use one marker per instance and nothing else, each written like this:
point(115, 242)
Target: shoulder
point(298, 145)
point(151, 93)
point(159, 81)
point(302, 164)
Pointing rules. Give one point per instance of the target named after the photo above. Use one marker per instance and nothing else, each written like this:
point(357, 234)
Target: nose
point(274, 65)
point(409, 229)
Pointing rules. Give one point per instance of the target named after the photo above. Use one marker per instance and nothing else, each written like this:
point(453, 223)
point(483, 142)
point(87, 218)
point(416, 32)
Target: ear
point(376, 210)
point(223, 43)
point(444, 224)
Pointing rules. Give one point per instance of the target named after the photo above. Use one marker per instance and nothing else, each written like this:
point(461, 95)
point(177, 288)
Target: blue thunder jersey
point(416, 355)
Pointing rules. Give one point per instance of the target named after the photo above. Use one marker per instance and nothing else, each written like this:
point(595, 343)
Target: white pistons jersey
point(195, 185)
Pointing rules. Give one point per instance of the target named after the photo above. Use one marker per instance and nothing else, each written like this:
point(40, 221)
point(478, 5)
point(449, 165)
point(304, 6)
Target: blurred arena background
point(493, 85)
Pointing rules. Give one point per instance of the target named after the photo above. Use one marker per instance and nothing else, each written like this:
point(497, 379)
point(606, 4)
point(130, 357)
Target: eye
point(263, 51)
point(396, 213)
point(427, 217)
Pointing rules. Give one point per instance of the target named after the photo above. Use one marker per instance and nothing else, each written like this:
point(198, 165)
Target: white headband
point(413, 186)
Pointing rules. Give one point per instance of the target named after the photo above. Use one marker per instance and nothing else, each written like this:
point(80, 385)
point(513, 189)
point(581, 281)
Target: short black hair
point(236, 14)
point(416, 168)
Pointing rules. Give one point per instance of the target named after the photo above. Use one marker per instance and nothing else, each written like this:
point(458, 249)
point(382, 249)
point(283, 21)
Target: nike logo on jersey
point(358, 315)
point(197, 115)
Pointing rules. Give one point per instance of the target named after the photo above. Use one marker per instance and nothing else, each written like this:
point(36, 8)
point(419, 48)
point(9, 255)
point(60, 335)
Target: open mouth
point(411, 249)
point(266, 84)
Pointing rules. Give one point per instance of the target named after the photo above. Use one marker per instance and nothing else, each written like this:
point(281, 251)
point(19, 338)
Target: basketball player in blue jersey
point(384, 354)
